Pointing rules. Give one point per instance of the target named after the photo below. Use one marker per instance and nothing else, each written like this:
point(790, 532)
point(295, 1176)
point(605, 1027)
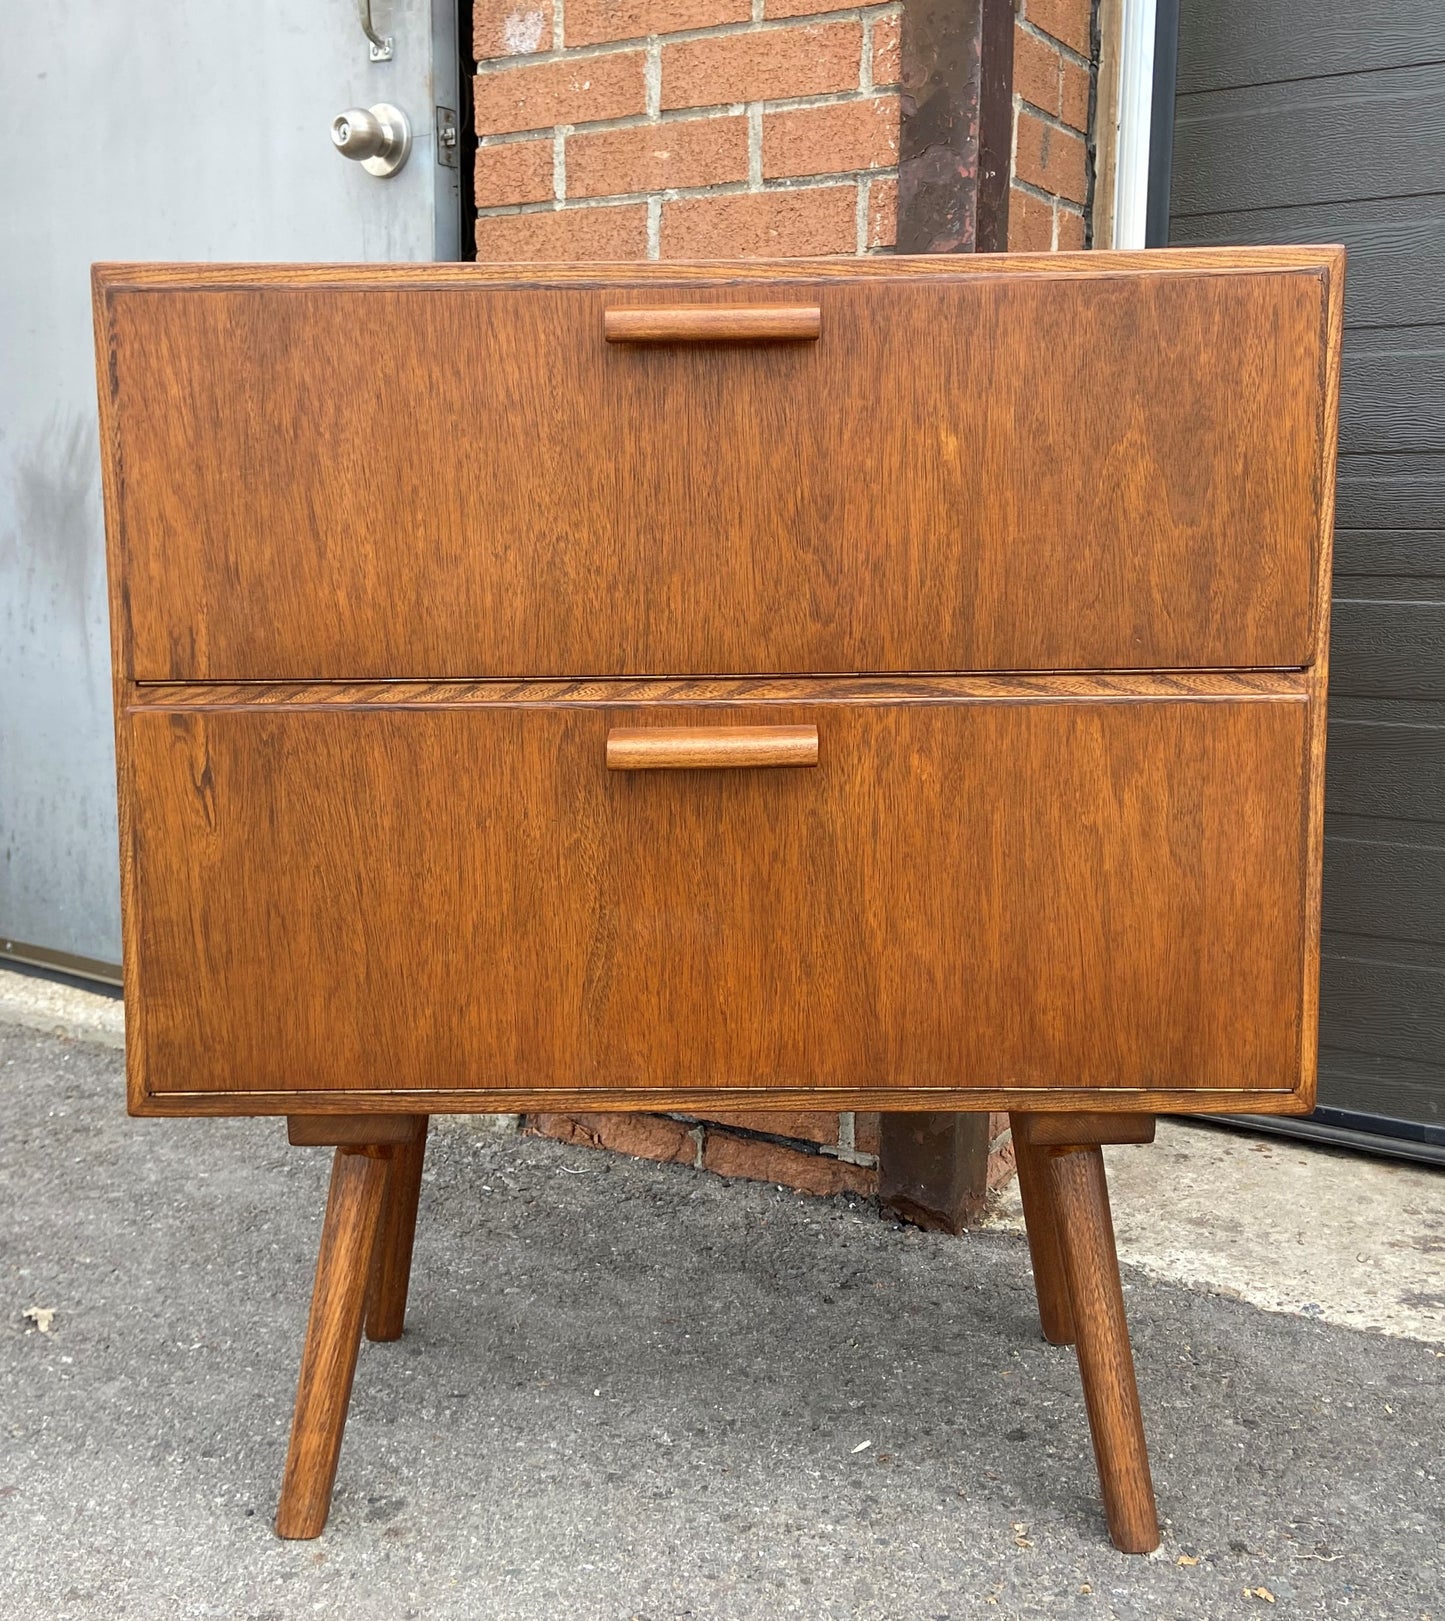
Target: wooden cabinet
point(894, 684)
point(1037, 545)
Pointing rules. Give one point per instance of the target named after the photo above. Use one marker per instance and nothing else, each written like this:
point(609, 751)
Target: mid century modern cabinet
point(889, 684)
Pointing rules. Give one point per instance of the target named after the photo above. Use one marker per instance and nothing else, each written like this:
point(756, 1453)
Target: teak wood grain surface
point(989, 893)
point(1071, 472)
point(1053, 598)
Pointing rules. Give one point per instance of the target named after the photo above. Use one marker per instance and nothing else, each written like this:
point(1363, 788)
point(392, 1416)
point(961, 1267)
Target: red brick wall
point(1052, 70)
point(657, 129)
point(647, 129)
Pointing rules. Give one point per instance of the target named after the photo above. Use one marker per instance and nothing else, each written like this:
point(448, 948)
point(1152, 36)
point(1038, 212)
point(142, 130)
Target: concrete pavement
point(629, 1390)
point(1344, 1238)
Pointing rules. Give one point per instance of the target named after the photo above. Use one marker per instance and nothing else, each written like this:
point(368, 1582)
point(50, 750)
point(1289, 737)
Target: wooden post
point(955, 125)
point(955, 129)
point(933, 1168)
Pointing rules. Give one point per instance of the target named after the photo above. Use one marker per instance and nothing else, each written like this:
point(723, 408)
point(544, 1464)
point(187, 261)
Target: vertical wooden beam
point(955, 143)
point(995, 126)
point(956, 130)
point(1108, 22)
point(933, 1168)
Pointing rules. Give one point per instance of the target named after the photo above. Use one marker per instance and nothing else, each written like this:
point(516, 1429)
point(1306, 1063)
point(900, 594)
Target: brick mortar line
point(852, 1156)
point(1038, 193)
point(488, 66)
point(1068, 52)
point(1013, 137)
point(682, 115)
point(871, 13)
point(654, 227)
point(1030, 190)
point(680, 194)
point(1051, 119)
point(652, 80)
point(1044, 116)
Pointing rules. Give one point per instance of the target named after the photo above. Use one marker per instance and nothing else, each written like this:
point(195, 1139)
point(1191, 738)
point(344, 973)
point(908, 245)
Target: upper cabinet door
point(379, 474)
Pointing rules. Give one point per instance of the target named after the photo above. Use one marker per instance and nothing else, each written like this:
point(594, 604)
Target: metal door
point(1325, 125)
point(165, 131)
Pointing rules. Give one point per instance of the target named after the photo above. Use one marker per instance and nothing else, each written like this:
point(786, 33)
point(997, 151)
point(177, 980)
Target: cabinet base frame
point(1029, 1100)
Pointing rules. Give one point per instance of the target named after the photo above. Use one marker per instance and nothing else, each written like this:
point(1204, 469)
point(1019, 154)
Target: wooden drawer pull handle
point(711, 324)
point(702, 748)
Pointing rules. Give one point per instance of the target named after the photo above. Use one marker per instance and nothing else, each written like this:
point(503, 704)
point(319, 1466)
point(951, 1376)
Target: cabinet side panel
point(112, 475)
point(1318, 675)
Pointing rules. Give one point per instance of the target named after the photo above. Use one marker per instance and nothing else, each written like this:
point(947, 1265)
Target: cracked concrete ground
point(630, 1390)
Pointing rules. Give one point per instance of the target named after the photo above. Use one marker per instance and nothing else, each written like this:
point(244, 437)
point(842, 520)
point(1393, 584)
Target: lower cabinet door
point(976, 894)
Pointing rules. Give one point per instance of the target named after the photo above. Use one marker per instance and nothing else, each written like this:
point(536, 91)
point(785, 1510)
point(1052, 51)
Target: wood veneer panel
point(990, 894)
point(384, 476)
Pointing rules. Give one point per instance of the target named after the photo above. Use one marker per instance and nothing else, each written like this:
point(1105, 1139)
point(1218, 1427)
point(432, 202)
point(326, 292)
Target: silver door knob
point(378, 137)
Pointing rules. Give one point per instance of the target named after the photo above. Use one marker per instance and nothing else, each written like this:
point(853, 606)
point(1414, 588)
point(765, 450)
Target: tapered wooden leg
point(1091, 1265)
point(1050, 1284)
point(391, 1265)
point(333, 1337)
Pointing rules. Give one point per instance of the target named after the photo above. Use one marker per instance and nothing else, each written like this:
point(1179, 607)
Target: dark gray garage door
point(1326, 123)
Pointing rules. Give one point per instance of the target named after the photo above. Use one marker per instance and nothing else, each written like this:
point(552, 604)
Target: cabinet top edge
point(1092, 265)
